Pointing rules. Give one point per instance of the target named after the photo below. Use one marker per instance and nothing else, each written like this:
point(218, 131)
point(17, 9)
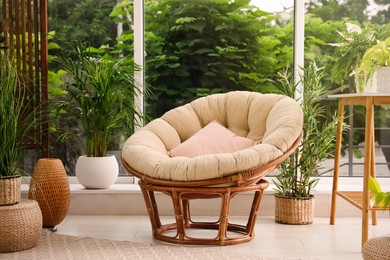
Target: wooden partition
point(26, 43)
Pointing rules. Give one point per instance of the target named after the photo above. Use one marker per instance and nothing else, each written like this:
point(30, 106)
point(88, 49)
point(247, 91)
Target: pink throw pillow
point(211, 139)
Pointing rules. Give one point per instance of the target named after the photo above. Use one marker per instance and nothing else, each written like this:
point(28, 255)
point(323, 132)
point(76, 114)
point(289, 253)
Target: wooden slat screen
point(26, 42)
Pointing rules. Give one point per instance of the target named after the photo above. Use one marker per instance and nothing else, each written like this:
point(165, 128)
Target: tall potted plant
point(15, 124)
point(100, 93)
point(294, 186)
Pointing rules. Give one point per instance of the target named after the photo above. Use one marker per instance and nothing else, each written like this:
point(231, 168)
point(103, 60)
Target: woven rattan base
point(181, 197)
point(377, 248)
point(294, 211)
point(20, 226)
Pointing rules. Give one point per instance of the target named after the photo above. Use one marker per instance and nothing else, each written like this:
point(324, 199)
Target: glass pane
point(337, 35)
point(197, 48)
point(96, 24)
point(274, 6)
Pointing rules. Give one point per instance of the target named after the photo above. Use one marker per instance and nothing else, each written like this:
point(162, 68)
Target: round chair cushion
point(273, 122)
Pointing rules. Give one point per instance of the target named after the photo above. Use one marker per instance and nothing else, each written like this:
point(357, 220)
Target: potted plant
point(15, 124)
point(294, 198)
point(374, 69)
point(100, 93)
point(349, 53)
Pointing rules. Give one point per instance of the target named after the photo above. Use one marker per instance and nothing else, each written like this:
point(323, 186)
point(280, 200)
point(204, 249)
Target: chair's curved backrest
point(274, 121)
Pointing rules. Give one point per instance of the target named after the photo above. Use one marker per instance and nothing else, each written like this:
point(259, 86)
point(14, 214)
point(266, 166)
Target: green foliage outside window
point(195, 48)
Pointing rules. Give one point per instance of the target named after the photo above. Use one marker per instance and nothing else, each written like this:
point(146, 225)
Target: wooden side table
point(20, 226)
point(358, 199)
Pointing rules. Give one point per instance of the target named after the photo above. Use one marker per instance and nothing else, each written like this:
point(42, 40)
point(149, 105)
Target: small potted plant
point(374, 69)
point(349, 53)
point(15, 124)
point(100, 93)
point(294, 199)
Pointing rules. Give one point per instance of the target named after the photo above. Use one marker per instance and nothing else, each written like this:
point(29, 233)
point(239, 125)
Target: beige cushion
point(274, 121)
point(211, 139)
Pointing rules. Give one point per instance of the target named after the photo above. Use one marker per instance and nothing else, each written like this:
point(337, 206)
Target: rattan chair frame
point(182, 192)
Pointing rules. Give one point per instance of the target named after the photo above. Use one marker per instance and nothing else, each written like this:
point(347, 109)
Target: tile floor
point(316, 241)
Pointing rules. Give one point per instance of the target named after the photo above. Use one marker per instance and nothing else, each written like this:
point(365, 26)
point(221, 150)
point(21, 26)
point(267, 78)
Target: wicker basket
point(20, 226)
point(295, 211)
point(10, 189)
point(377, 248)
point(49, 186)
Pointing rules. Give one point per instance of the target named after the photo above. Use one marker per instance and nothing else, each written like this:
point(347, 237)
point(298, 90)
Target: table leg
point(337, 161)
point(367, 166)
point(373, 172)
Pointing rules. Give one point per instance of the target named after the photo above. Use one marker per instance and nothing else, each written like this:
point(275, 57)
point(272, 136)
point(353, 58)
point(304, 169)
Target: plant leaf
point(374, 186)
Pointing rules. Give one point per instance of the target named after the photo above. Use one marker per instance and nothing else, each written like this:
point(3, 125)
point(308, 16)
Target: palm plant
point(100, 93)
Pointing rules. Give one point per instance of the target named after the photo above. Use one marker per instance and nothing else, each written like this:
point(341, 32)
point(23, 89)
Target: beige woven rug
point(53, 246)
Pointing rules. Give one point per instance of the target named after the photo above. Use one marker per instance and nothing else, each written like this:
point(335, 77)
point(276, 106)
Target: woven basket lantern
point(10, 190)
point(49, 186)
point(294, 211)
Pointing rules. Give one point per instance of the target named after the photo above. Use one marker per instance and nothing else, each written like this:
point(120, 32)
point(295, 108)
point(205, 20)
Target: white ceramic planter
point(369, 86)
point(379, 83)
point(97, 172)
point(383, 80)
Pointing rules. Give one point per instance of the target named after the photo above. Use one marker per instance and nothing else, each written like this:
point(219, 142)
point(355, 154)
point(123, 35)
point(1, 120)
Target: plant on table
point(350, 50)
point(374, 58)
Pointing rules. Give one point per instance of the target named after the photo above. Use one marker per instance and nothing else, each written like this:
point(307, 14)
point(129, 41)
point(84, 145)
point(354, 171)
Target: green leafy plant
point(16, 118)
point(350, 50)
point(375, 57)
point(297, 178)
point(205, 44)
point(382, 199)
point(100, 93)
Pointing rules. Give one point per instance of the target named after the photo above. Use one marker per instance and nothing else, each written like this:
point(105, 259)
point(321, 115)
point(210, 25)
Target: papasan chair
point(214, 147)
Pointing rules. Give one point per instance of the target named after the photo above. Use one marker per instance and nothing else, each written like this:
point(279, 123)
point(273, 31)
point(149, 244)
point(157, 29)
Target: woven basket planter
point(49, 186)
point(294, 211)
point(10, 190)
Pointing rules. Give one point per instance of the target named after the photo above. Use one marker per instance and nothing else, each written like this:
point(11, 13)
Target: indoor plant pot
point(10, 189)
point(294, 211)
point(294, 200)
point(374, 71)
point(97, 172)
point(100, 93)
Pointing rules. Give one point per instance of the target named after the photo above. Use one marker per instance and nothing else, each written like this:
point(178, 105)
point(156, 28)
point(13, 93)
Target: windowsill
point(324, 186)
